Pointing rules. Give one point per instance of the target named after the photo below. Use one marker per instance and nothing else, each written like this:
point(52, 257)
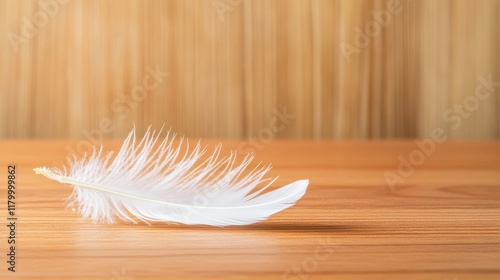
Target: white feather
point(153, 184)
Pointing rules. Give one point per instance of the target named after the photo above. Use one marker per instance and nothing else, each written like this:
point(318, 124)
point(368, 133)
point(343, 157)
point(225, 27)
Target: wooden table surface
point(441, 221)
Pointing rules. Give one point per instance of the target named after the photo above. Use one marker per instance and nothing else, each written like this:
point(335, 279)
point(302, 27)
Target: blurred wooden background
point(244, 68)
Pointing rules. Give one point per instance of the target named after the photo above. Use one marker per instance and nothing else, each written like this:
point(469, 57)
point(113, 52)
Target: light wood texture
point(230, 63)
point(440, 223)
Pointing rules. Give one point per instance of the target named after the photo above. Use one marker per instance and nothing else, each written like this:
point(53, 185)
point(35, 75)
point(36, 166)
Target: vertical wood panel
point(232, 65)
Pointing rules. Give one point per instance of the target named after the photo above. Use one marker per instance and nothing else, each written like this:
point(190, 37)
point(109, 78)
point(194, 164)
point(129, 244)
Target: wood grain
point(230, 68)
point(442, 222)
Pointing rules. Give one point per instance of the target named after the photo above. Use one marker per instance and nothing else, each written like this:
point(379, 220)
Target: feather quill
point(163, 183)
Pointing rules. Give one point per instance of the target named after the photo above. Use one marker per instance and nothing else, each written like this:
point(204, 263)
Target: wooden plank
point(221, 68)
point(442, 222)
